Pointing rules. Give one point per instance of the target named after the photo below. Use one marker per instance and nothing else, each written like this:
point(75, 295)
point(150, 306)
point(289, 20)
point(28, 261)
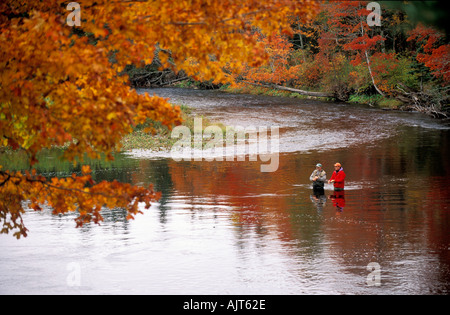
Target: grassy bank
point(162, 140)
point(375, 100)
point(259, 90)
point(371, 100)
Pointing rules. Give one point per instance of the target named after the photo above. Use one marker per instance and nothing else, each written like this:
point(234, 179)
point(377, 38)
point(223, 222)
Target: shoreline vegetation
point(161, 140)
point(139, 139)
point(399, 64)
point(371, 100)
point(382, 102)
point(431, 101)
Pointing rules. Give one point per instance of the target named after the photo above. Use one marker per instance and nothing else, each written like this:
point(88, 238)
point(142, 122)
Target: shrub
point(390, 70)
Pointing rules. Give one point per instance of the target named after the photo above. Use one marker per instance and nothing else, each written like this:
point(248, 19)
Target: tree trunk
point(302, 47)
point(174, 81)
point(368, 65)
point(284, 88)
point(371, 74)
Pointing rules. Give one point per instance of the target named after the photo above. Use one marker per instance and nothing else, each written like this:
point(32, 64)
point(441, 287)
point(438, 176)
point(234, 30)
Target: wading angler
point(235, 143)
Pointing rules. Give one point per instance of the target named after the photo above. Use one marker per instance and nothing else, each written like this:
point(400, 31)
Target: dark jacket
point(320, 182)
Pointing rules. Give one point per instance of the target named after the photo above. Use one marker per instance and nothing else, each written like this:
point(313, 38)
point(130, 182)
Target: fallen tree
point(154, 75)
point(284, 88)
point(155, 78)
point(434, 103)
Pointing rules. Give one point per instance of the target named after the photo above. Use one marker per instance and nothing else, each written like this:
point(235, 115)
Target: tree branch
point(6, 180)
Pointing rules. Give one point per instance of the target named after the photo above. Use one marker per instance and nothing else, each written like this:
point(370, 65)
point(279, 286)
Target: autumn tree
point(277, 69)
point(60, 84)
point(348, 24)
point(434, 53)
point(282, 69)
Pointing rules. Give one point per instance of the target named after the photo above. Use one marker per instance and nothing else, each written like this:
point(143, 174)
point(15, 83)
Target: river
point(225, 227)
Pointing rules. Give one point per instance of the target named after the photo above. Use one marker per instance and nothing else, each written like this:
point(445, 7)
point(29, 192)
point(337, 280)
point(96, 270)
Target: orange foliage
point(60, 84)
point(66, 195)
point(277, 69)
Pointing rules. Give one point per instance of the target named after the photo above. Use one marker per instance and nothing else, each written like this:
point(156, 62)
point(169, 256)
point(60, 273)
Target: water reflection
point(391, 212)
point(318, 198)
point(338, 199)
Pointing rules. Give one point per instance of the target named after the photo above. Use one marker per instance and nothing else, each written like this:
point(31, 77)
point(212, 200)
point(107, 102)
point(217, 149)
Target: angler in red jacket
point(338, 177)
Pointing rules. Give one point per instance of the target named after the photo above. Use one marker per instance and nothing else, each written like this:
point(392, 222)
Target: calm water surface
point(227, 228)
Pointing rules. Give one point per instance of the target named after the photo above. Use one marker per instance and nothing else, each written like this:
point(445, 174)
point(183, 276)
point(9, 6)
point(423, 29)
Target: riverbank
point(371, 100)
point(161, 140)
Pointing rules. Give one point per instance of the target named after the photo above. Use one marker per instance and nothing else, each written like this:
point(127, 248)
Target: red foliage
point(363, 44)
point(435, 56)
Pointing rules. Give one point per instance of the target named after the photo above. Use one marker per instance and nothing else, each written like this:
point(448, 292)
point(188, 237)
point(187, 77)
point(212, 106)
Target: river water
point(225, 227)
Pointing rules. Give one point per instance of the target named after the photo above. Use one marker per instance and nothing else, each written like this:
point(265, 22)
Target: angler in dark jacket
point(318, 177)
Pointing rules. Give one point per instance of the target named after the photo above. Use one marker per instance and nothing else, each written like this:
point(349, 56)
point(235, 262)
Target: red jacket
point(339, 178)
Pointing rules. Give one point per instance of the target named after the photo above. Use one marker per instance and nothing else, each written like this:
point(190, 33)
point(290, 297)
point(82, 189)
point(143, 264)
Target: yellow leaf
point(111, 116)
